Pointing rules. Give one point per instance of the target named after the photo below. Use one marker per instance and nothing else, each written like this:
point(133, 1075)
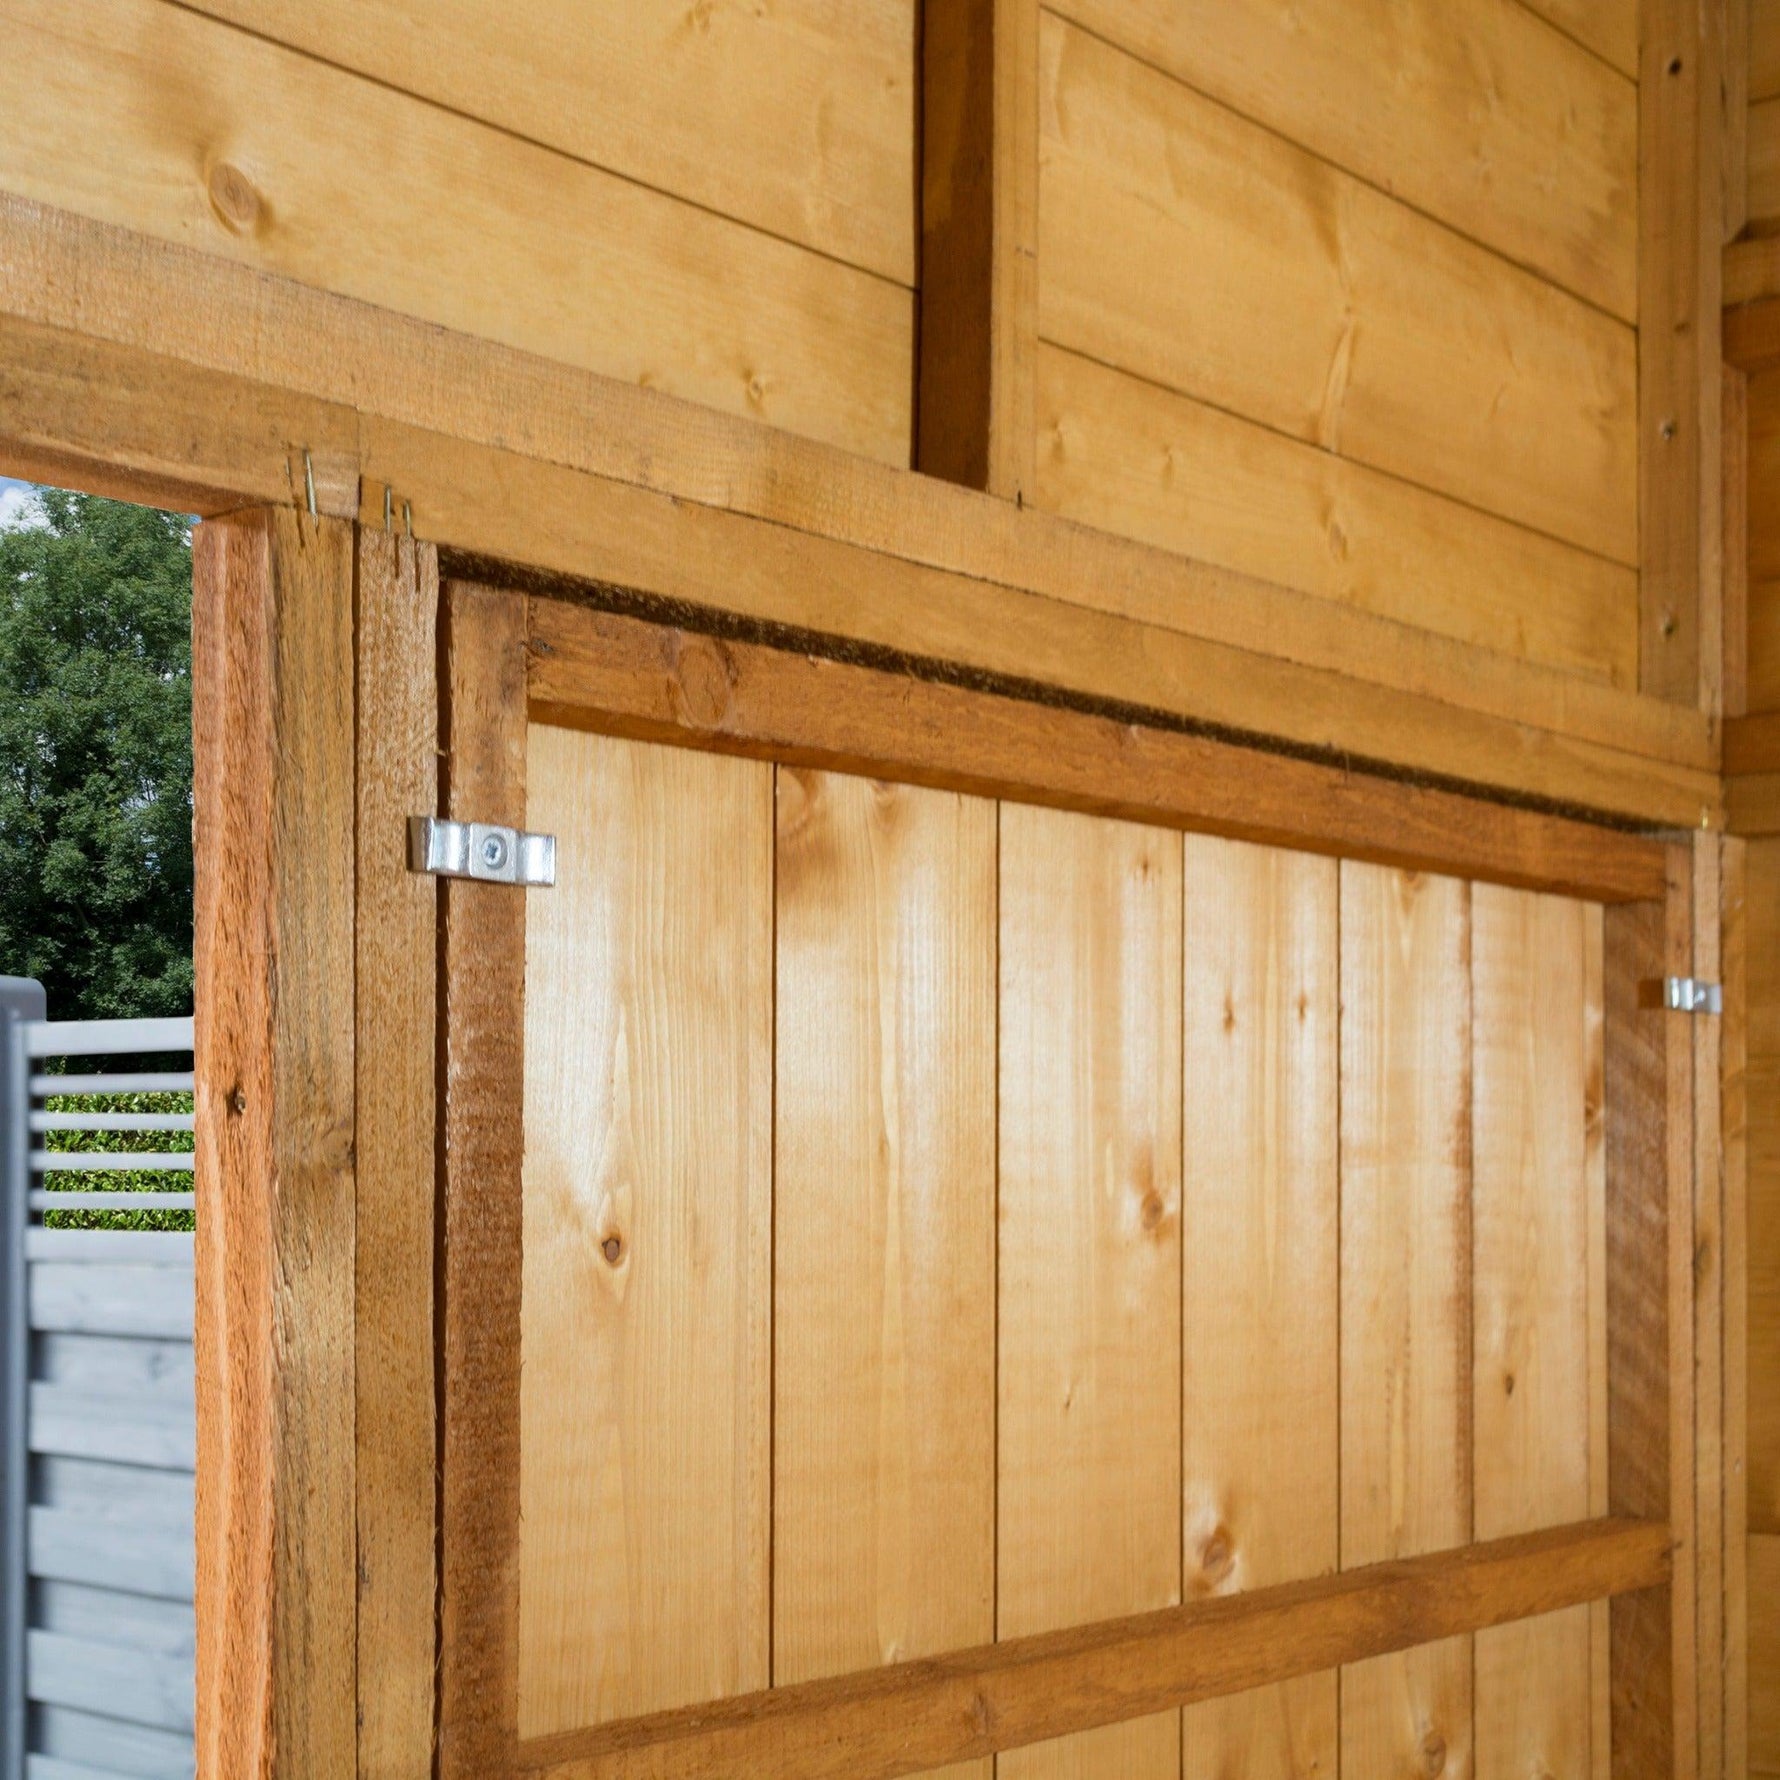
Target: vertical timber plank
point(1531, 1060)
point(884, 1194)
point(1650, 1364)
point(1681, 208)
point(1734, 118)
point(645, 1399)
point(1708, 1319)
point(273, 737)
point(1733, 1114)
point(1734, 400)
point(1260, 1298)
point(397, 967)
point(1090, 1261)
point(974, 407)
point(1405, 1294)
point(1600, 1631)
point(483, 1023)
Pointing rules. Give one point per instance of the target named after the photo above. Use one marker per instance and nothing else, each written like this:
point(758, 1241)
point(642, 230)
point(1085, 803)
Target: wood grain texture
point(1497, 720)
point(620, 279)
point(1466, 109)
point(1260, 1297)
point(979, 245)
point(916, 1716)
point(797, 119)
point(604, 671)
point(1680, 206)
point(1406, 1472)
point(1762, 471)
point(1752, 804)
point(1607, 27)
point(1708, 1312)
point(1649, 1393)
point(493, 413)
point(1089, 1404)
point(1130, 457)
point(1763, 1251)
point(1734, 470)
point(273, 751)
point(1536, 1115)
point(1185, 244)
point(1734, 1118)
point(1764, 51)
point(884, 1205)
point(1733, 125)
point(645, 1401)
point(1764, 1654)
point(1763, 164)
point(396, 1038)
point(482, 985)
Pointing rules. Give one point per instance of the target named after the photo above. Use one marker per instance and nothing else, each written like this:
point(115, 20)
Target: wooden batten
point(979, 245)
point(1734, 1125)
point(483, 964)
point(629, 677)
point(597, 479)
point(1680, 197)
point(274, 743)
point(396, 971)
point(914, 1716)
point(1649, 1086)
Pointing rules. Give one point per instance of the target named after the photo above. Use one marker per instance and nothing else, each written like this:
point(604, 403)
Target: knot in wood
point(237, 204)
point(702, 685)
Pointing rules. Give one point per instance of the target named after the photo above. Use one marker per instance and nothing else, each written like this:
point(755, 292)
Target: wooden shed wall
point(713, 200)
point(1344, 296)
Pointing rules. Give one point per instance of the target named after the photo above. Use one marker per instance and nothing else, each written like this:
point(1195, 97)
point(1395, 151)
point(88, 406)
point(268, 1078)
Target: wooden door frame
point(510, 657)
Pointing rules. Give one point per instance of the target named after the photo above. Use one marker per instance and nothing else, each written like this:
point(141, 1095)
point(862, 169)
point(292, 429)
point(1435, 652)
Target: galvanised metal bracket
point(1687, 996)
point(482, 850)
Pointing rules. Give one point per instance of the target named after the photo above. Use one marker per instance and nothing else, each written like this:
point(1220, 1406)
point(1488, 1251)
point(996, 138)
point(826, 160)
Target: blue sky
point(14, 497)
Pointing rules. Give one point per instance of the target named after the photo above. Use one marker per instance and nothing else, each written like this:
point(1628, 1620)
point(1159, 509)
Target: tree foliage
point(96, 757)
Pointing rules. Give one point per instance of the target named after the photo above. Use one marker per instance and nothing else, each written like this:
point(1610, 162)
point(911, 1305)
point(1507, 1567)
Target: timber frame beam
point(174, 377)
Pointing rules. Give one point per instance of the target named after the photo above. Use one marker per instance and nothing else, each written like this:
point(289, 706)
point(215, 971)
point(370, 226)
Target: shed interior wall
point(1344, 297)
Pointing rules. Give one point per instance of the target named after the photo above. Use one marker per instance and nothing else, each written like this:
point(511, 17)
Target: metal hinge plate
point(482, 850)
point(1686, 995)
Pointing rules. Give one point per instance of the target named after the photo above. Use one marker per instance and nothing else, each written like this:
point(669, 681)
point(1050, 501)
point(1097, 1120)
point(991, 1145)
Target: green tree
point(96, 757)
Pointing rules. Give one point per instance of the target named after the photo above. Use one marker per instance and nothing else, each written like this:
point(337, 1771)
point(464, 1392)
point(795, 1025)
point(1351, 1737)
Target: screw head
point(494, 851)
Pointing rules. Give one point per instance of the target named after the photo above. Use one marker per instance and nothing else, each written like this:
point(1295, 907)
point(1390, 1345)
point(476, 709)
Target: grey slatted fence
point(99, 1436)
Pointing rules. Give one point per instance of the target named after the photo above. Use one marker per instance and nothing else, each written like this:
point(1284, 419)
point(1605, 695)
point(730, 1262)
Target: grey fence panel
point(100, 1429)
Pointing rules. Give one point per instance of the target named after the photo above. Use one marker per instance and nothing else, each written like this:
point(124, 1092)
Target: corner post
point(1681, 212)
point(273, 697)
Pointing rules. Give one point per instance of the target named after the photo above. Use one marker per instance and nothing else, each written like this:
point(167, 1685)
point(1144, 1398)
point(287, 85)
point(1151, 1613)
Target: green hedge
point(119, 1180)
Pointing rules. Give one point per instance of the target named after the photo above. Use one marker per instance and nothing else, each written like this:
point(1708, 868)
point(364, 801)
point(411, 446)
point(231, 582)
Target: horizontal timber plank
point(489, 504)
point(629, 677)
point(1418, 97)
point(148, 297)
point(1134, 458)
point(148, 115)
point(793, 117)
point(499, 503)
point(919, 1715)
point(1751, 270)
point(1181, 242)
point(1608, 27)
